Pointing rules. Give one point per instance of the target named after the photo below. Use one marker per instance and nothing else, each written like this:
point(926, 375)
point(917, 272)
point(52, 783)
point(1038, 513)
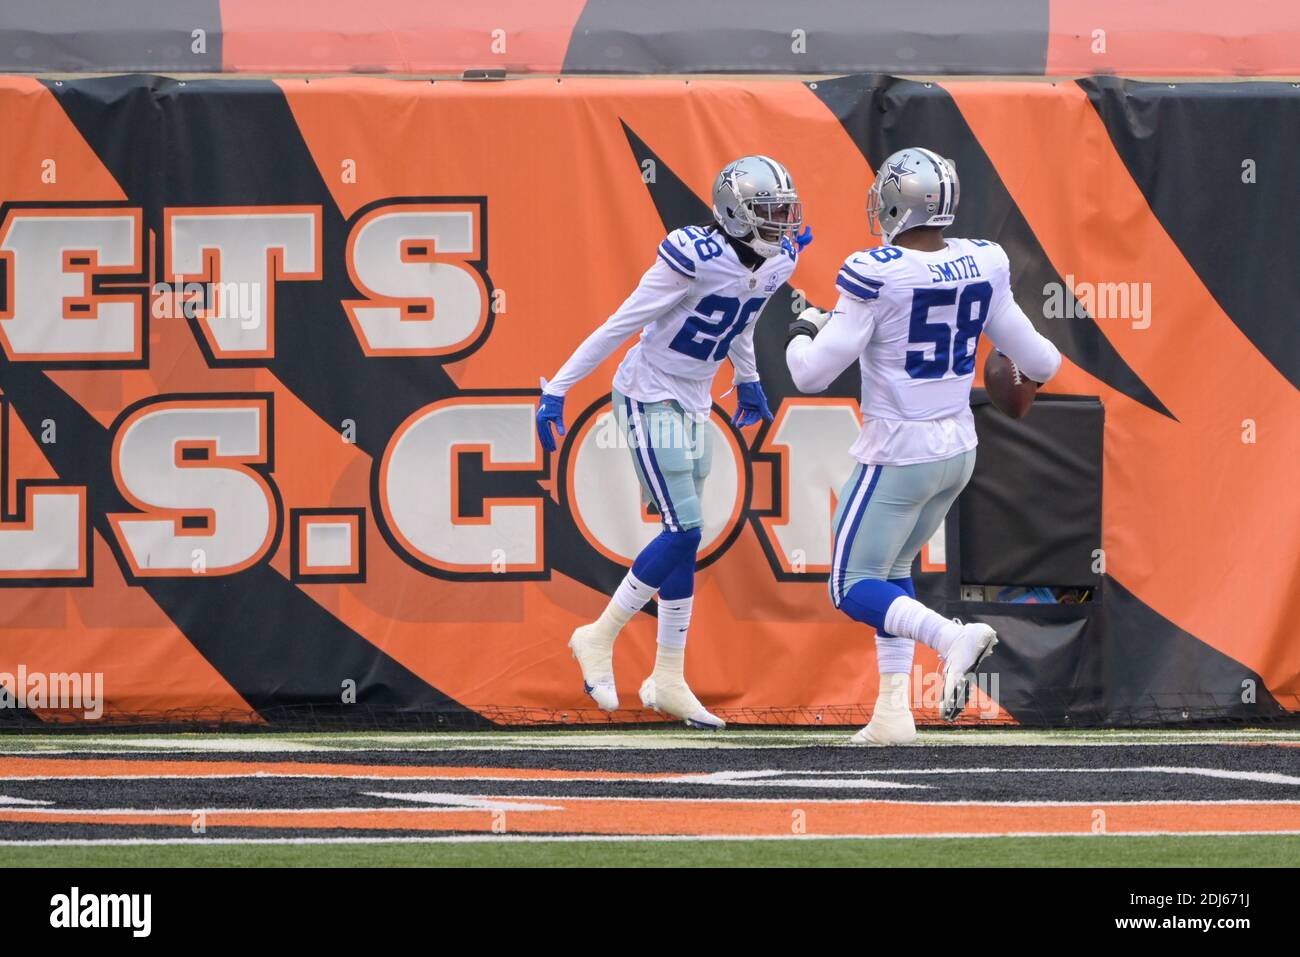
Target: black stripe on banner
point(1217, 163)
point(235, 142)
point(678, 204)
point(275, 645)
point(1048, 676)
point(884, 115)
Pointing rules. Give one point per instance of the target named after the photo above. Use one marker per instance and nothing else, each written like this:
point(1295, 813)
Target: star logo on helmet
point(895, 174)
point(731, 173)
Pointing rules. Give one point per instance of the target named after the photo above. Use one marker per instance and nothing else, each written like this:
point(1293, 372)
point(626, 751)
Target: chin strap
point(902, 225)
point(746, 245)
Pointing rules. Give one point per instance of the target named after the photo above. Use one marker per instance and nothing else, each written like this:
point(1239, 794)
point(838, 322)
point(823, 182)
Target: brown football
point(1007, 386)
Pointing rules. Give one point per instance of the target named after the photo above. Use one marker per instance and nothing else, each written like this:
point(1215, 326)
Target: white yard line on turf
point(783, 778)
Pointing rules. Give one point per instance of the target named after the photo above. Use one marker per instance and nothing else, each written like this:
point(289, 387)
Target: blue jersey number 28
point(954, 346)
point(717, 320)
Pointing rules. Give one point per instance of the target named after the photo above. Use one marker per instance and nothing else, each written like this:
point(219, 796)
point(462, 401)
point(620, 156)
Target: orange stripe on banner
point(1173, 37)
point(147, 664)
point(314, 467)
point(747, 818)
point(395, 36)
point(48, 137)
point(1224, 533)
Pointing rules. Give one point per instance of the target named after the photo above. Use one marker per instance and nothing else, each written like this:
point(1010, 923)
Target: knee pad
point(664, 553)
point(905, 582)
point(680, 582)
point(687, 541)
point(868, 601)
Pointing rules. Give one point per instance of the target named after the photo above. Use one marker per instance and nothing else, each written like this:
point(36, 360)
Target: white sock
point(631, 595)
point(674, 621)
point(894, 654)
point(670, 665)
point(892, 697)
point(629, 598)
point(909, 618)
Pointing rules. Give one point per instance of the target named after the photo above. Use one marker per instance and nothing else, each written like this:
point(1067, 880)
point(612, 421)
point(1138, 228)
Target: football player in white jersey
point(695, 306)
point(911, 313)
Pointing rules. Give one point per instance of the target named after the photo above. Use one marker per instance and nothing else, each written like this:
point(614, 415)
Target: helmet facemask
point(772, 221)
point(768, 221)
point(892, 225)
point(874, 204)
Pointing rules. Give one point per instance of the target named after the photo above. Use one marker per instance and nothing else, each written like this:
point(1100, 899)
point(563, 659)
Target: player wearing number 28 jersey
point(695, 306)
point(911, 313)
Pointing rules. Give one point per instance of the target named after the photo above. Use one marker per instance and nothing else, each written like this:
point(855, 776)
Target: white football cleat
point(595, 656)
point(891, 719)
point(677, 700)
point(975, 644)
point(887, 730)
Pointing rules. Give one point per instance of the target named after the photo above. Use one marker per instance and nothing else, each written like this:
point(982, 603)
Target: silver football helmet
point(914, 187)
point(754, 200)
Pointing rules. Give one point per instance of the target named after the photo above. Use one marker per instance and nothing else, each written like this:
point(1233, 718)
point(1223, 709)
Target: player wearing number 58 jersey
point(695, 306)
point(911, 314)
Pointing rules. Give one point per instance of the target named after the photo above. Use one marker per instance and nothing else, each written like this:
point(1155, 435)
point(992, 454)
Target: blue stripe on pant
point(886, 514)
point(643, 449)
point(672, 454)
point(850, 522)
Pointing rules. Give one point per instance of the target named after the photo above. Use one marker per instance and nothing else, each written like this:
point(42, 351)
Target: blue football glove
point(550, 409)
point(800, 241)
point(751, 405)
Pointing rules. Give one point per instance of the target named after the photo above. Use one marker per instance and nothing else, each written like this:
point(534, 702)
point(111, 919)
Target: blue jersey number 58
point(953, 347)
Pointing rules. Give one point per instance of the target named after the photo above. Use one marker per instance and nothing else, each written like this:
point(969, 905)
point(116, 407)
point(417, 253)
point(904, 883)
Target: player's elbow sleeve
point(1044, 364)
point(1031, 351)
point(806, 379)
point(803, 373)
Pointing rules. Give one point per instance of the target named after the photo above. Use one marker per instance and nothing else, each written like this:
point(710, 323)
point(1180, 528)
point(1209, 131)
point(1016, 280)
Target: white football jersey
point(695, 306)
point(913, 320)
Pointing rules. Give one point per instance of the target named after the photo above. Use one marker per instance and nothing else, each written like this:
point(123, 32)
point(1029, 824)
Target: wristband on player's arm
point(810, 322)
point(800, 327)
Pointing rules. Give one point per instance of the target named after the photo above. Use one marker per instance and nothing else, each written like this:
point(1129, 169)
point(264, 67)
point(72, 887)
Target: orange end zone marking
point(759, 819)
